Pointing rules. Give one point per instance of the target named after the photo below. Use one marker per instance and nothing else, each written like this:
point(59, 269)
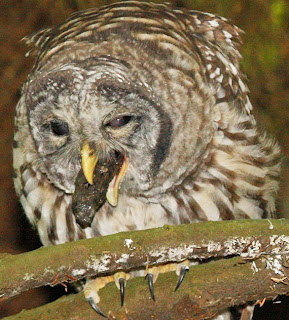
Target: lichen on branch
point(260, 247)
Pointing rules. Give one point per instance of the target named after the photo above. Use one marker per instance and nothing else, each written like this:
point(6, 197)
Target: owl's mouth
point(97, 181)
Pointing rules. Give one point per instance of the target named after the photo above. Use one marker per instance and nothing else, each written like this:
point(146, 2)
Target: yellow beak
point(112, 191)
point(89, 158)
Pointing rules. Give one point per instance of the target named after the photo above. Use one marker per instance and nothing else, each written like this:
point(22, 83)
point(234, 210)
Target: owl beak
point(112, 191)
point(89, 159)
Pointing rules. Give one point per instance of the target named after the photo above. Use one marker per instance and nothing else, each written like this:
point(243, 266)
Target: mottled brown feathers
point(191, 144)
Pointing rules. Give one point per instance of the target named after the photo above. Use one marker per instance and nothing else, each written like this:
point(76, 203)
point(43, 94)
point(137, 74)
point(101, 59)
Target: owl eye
point(119, 121)
point(59, 128)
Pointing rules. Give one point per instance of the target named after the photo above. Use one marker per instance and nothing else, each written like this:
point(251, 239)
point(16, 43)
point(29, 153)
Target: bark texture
point(255, 267)
point(207, 289)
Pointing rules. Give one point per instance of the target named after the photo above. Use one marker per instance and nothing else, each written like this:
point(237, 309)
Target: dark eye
point(119, 121)
point(59, 128)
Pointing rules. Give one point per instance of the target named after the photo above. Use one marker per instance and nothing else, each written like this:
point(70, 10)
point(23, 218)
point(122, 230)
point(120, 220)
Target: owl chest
point(130, 214)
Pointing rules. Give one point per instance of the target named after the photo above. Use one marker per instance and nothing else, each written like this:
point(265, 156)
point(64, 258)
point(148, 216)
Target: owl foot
point(93, 286)
point(91, 292)
point(180, 268)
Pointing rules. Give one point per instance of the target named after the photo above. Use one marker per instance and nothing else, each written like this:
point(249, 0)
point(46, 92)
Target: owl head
point(131, 98)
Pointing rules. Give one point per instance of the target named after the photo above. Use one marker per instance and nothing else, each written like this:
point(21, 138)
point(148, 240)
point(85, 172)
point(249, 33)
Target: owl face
point(71, 107)
point(103, 106)
point(119, 96)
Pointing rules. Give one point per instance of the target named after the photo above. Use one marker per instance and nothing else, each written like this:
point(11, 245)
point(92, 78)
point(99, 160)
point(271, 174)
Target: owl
point(134, 116)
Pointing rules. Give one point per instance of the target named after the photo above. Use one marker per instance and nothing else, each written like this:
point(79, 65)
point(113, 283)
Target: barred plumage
point(192, 147)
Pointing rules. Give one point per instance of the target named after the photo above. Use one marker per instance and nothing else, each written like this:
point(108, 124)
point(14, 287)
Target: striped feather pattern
point(201, 157)
point(235, 177)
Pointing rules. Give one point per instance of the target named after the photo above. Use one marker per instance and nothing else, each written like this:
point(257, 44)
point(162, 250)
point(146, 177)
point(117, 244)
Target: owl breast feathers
point(135, 116)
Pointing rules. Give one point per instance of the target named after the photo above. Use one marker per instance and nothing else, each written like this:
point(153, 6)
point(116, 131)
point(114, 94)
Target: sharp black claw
point(121, 287)
point(95, 307)
point(151, 285)
point(183, 272)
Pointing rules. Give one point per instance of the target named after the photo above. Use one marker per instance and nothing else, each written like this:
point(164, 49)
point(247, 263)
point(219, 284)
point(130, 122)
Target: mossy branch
point(209, 287)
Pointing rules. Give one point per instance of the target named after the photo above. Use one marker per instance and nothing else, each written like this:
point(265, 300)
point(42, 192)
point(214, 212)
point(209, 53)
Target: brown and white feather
point(202, 159)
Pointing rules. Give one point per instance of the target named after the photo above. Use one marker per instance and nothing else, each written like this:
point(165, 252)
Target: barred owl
point(134, 116)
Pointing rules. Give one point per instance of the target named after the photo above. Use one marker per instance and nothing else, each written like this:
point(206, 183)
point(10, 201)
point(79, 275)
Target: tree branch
point(130, 250)
point(208, 288)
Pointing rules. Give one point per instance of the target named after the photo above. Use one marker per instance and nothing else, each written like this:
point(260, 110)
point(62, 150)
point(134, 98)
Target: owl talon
point(121, 288)
point(120, 281)
point(91, 290)
point(184, 270)
point(95, 307)
point(151, 285)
